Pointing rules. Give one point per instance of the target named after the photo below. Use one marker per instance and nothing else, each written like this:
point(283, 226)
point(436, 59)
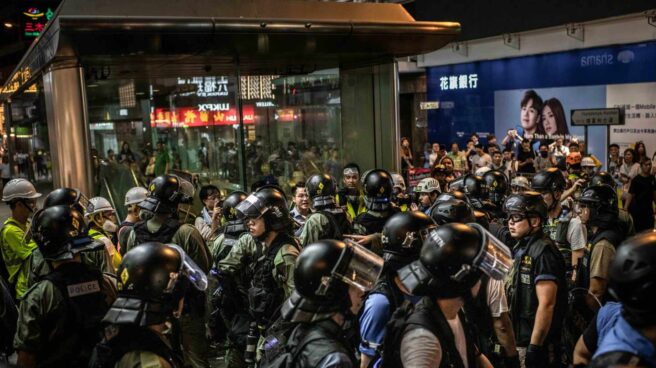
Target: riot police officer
point(161, 224)
point(453, 210)
point(67, 197)
point(428, 190)
point(538, 294)
point(267, 217)
point(378, 192)
point(331, 277)
point(474, 187)
point(448, 272)
point(624, 217)
point(623, 333)
point(561, 226)
point(402, 238)
point(598, 211)
point(152, 284)
point(498, 187)
point(59, 317)
point(327, 221)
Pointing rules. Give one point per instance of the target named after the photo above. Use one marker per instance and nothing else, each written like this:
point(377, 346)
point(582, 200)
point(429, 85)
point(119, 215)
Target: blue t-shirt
point(615, 334)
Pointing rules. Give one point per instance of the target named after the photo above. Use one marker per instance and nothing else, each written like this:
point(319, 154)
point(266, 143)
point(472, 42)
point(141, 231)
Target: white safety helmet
point(19, 189)
point(428, 185)
point(135, 195)
point(99, 205)
point(482, 170)
point(521, 182)
point(588, 162)
point(398, 180)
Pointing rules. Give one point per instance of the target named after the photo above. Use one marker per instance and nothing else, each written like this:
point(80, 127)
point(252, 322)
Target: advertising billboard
point(533, 96)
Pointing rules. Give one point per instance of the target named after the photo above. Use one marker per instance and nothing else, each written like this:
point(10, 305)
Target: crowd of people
point(470, 268)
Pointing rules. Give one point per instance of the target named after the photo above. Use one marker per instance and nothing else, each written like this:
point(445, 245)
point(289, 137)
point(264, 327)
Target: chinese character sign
point(460, 81)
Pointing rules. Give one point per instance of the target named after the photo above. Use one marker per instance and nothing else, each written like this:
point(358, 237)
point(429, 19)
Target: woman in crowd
point(406, 155)
point(640, 151)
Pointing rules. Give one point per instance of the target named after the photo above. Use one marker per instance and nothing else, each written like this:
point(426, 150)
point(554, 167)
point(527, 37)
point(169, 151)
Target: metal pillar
point(68, 128)
point(10, 142)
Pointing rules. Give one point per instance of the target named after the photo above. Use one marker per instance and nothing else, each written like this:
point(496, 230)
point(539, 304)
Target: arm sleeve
point(14, 244)
point(590, 336)
point(546, 268)
point(197, 249)
point(285, 268)
point(37, 304)
point(600, 259)
point(232, 263)
point(204, 229)
point(373, 321)
point(576, 234)
point(312, 229)
point(420, 348)
point(496, 298)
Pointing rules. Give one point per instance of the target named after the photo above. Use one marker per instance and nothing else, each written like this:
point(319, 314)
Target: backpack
point(283, 345)
point(394, 330)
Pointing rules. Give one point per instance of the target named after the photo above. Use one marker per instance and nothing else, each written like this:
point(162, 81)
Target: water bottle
point(251, 344)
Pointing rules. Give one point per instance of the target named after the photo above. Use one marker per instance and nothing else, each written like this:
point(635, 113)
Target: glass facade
point(291, 129)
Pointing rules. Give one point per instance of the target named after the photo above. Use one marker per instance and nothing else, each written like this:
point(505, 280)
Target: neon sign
point(36, 20)
point(189, 117)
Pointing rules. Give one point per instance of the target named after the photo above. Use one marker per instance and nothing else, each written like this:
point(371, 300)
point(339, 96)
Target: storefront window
point(140, 129)
point(28, 137)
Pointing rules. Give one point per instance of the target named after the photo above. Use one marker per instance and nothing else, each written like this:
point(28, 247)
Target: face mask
point(544, 154)
point(109, 226)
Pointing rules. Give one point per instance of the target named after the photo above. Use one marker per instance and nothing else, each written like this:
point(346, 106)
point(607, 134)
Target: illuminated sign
point(207, 86)
point(188, 117)
point(461, 81)
point(35, 20)
point(258, 87)
point(214, 107)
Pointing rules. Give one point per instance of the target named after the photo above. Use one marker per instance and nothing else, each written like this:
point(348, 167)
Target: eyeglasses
point(516, 217)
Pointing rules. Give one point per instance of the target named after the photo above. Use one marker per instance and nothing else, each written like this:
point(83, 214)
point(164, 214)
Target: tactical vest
point(163, 235)
point(8, 318)
point(479, 314)
point(266, 294)
point(384, 286)
point(84, 306)
point(338, 224)
point(556, 230)
point(428, 315)
point(131, 339)
point(374, 224)
point(313, 342)
point(523, 297)
point(583, 268)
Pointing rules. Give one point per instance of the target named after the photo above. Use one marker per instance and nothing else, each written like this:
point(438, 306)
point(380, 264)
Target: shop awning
point(124, 38)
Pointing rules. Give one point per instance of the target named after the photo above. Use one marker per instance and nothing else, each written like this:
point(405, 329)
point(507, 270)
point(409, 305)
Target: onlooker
point(5, 172)
point(558, 149)
point(126, 156)
point(544, 160)
point(512, 140)
point(614, 160)
point(509, 162)
point(641, 197)
point(210, 196)
point(492, 145)
point(574, 147)
point(480, 159)
point(459, 158)
point(406, 155)
point(630, 168)
point(111, 157)
point(434, 156)
point(525, 158)
point(640, 151)
point(301, 209)
point(497, 162)
point(162, 160)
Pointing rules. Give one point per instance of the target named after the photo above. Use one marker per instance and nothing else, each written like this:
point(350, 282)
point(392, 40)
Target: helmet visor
point(494, 258)
point(357, 266)
point(85, 203)
point(187, 190)
point(251, 207)
point(190, 269)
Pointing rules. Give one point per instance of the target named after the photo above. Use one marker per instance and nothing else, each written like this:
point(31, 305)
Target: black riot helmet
point(497, 186)
point(474, 187)
point(633, 279)
point(377, 190)
point(60, 232)
point(453, 210)
point(549, 180)
point(526, 204)
point(67, 197)
point(321, 189)
point(270, 203)
point(403, 235)
point(602, 178)
point(455, 194)
point(453, 259)
point(230, 203)
point(166, 192)
point(602, 201)
point(322, 276)
point(152, 279)
point(482, 219)
point(457, 185)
